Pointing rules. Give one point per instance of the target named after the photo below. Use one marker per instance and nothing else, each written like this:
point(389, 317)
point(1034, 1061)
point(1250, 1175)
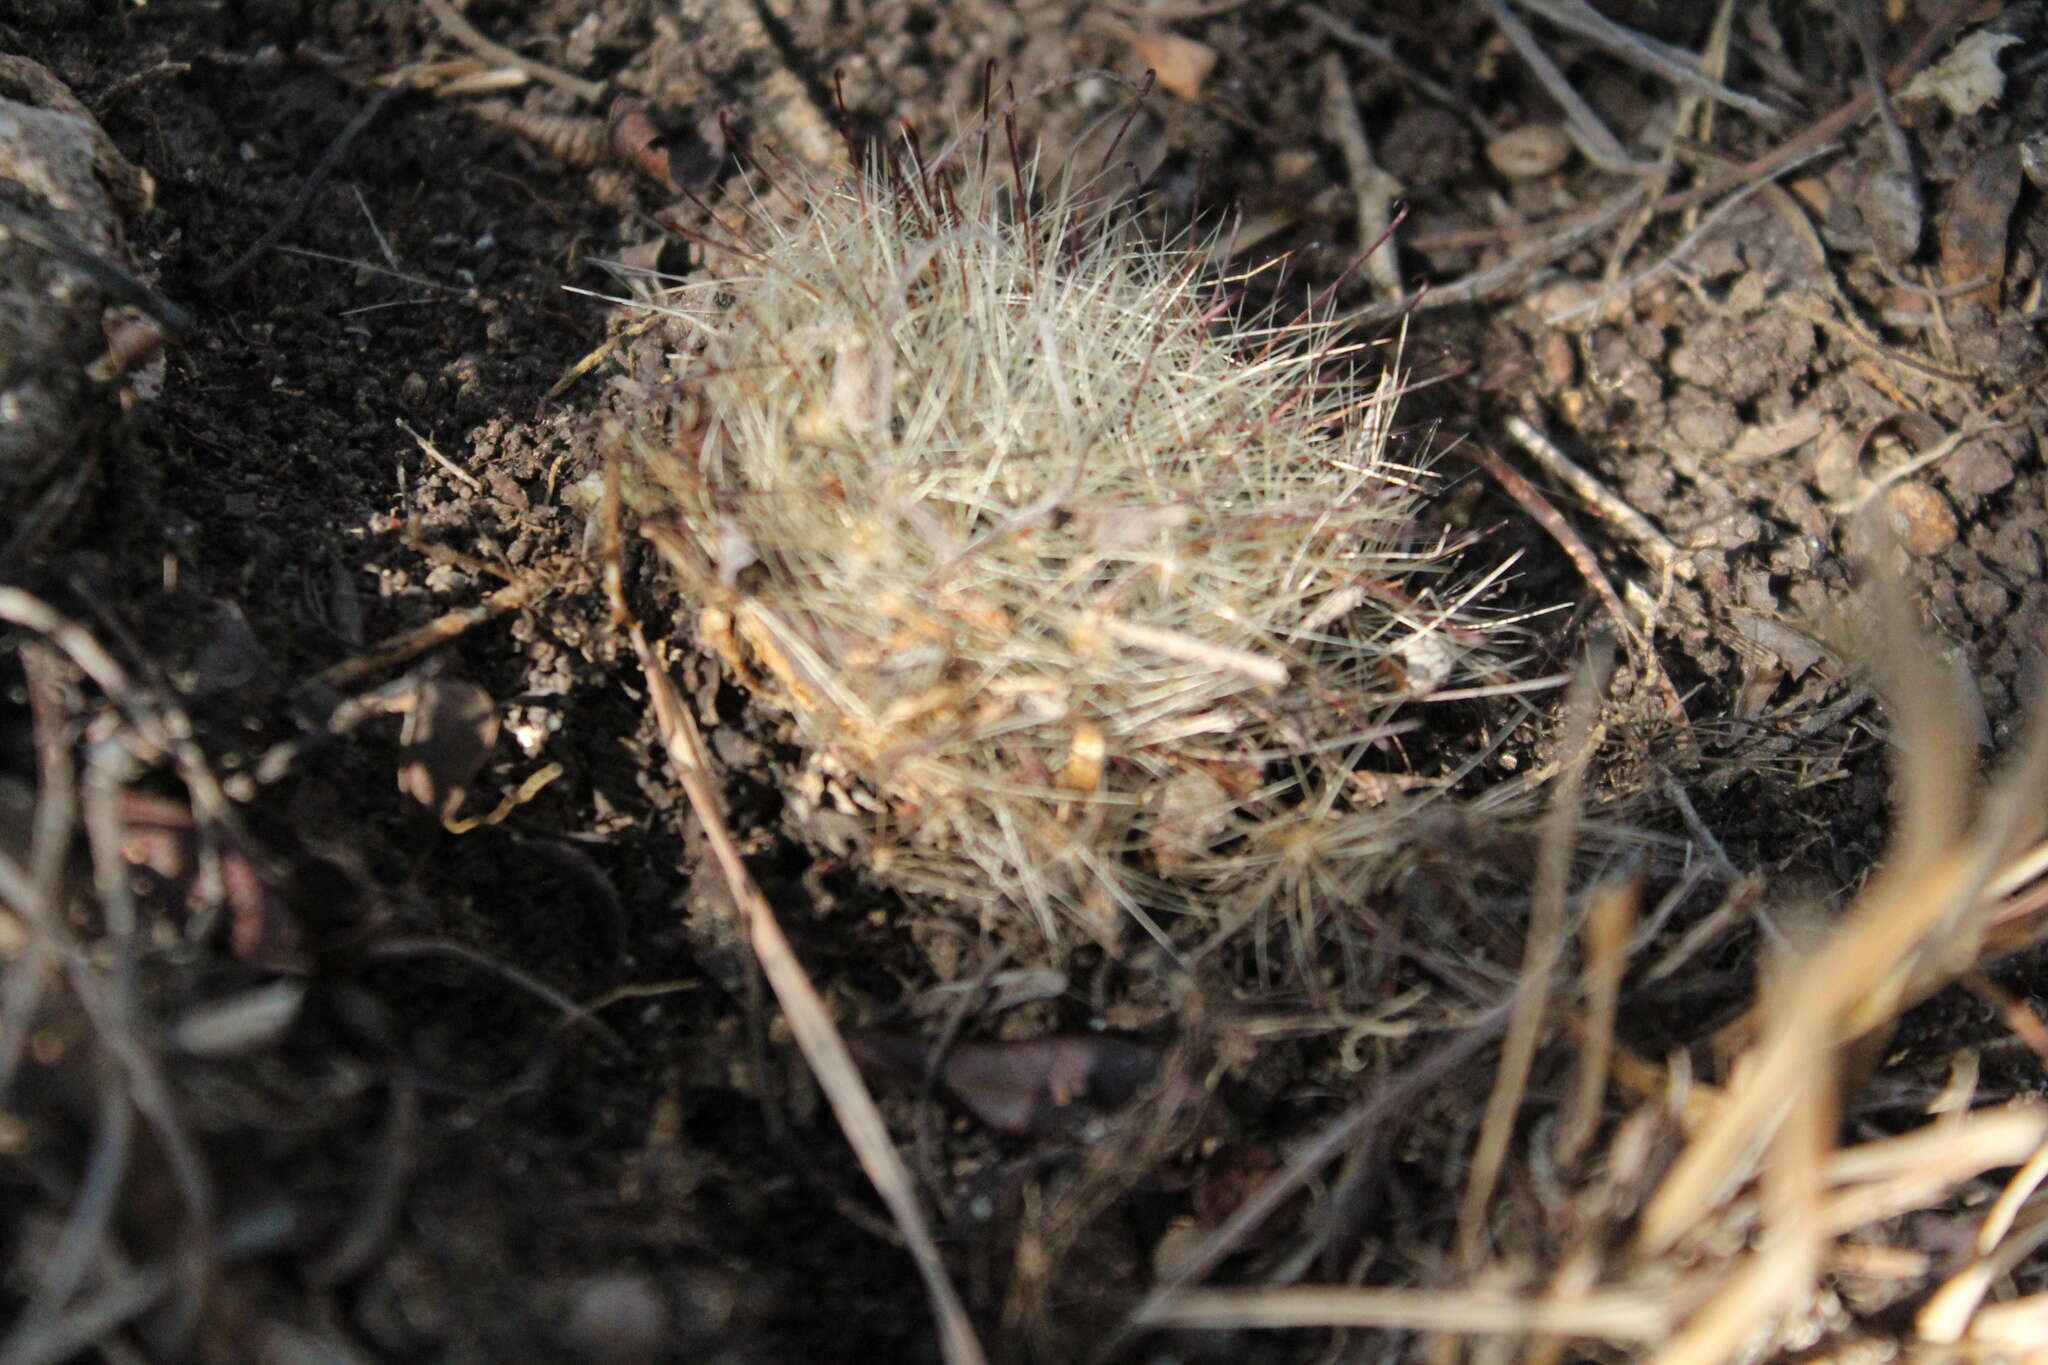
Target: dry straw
point(1727, 1216)
point(1094, 592)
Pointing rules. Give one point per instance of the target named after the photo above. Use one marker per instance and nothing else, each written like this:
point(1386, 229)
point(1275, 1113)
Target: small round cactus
point(1094, 600)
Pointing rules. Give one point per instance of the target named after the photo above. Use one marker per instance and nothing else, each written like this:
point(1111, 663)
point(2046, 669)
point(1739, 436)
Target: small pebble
point(1560, 362)
point(1529, 151)
point(1921, 518)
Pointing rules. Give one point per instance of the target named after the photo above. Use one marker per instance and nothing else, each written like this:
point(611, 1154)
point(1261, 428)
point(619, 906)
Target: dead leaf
point(449, 729)
point(1230, 1177)
point(1027, 1088)
point(1181, 64)
point(1973, 231)
point(1968, 78)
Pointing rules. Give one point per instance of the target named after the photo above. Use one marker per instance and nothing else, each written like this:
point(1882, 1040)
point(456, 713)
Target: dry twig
point(1640, 530)
point(1394, 1098)
point(810, 1022)
point(1373, 189)
point(1561, 235)
point(1673, 64)
point(1595, 139)
point(464, 32)
point(1550, 519)
point(1614, 1316)
point(410, 644)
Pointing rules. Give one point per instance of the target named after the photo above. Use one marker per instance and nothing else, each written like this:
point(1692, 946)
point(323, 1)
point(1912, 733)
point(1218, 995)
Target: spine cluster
point(1099, 600)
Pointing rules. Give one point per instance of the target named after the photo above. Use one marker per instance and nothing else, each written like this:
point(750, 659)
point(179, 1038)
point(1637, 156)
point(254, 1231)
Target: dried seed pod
point(1095, 592)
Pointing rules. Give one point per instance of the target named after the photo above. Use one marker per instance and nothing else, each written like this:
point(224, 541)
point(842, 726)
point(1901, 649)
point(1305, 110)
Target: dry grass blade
point(1610, 919)
point(1385, 1105)
point(1374, 191)
point(1718, 1158)
point(1998, 1137)
point(1641, 531)
point(410, 644)
point(1612, 1315)
point(32, 892)
point(1566, 233)
point(809, 1020)
point(1548, 932)
point(1780, 1277)
point(2018, 1192)
point(98, 1316)
point(1738, 903)
point(1919, 923)
point(1891, 1176)
point(64, 1268)
point(1948, 1313)
point(400, 948)
point(1595, 139)
point(464, 32)
point(1729, 1320)
point(2021, 1322)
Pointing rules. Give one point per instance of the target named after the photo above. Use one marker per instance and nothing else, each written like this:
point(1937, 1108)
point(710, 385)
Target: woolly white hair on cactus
point(1089, 596)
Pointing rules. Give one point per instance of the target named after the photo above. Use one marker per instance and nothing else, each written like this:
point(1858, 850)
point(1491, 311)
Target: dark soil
point(434, 1161)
